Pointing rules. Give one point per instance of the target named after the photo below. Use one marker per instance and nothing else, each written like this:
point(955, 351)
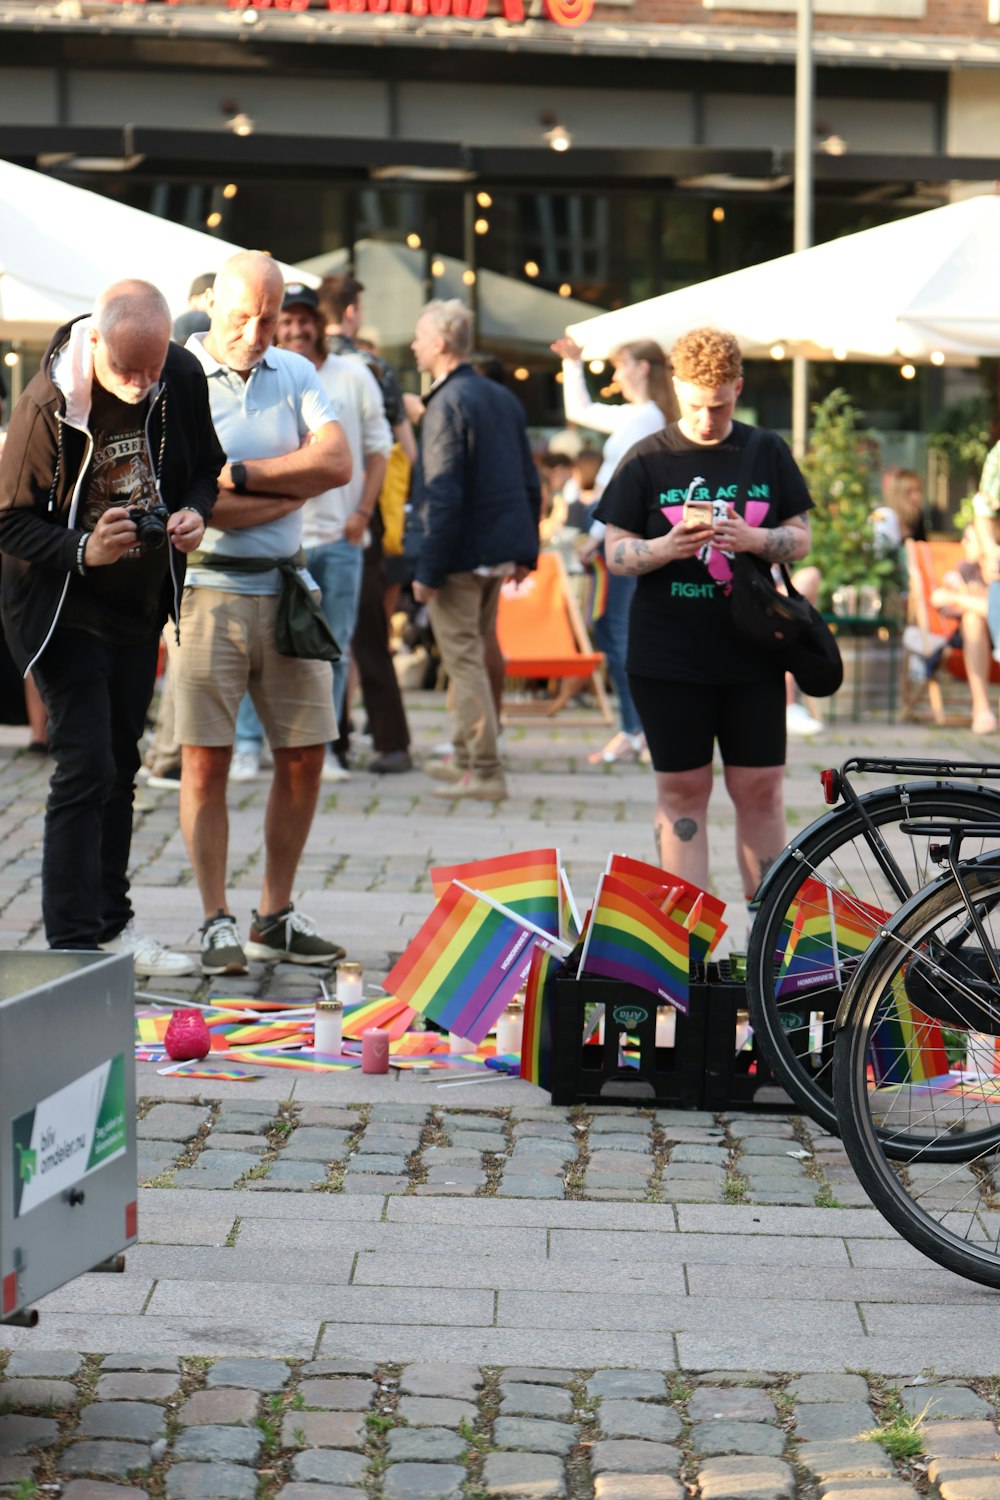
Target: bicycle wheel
point(821, 904)
point(914, 1067)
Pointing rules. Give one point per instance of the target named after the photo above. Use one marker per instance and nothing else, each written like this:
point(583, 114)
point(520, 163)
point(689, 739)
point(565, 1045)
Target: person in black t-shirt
point(117, 421)
point(694, 679)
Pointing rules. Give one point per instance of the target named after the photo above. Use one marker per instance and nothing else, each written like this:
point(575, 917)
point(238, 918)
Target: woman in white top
point(642, 376)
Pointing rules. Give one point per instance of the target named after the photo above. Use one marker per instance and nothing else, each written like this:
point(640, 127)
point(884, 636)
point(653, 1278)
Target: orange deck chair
point(542, 635)
point(926, 565)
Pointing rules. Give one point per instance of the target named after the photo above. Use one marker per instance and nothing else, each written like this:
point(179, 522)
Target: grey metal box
point(68, 1184)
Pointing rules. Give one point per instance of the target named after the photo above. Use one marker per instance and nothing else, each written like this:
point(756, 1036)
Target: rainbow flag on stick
point(391, 1014)
point(527, 884)
point(907, 1046)
point(678, 898)
point(536, 1038)
point(467, 962)
point(597, 588)
point(829, 928)
point(630, 939)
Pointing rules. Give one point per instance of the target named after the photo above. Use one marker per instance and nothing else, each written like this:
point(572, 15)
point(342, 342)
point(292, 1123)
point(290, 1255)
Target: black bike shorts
point(682, 721)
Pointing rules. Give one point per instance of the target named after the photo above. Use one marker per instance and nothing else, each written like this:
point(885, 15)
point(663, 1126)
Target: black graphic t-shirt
point(680, 629)
point(120, 602)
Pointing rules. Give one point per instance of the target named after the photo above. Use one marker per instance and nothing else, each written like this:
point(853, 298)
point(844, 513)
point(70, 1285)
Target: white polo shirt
point(265, 416)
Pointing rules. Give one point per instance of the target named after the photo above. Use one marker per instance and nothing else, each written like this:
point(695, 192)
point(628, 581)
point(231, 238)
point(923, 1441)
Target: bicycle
point(915, 1087)
point(826, 896)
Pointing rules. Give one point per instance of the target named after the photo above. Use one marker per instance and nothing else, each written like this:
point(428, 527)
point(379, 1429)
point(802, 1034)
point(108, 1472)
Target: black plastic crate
point(733, 1080)
point(591, 1073)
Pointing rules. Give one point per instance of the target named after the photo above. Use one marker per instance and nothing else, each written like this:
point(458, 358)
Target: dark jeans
point(370, 650)
point(96, 694)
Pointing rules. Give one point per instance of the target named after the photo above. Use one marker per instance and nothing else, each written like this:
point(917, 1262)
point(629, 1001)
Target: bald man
point(107, 478)
point(284, 445)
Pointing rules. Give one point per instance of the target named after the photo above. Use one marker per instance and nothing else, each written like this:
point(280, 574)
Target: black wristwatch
point(238, 473)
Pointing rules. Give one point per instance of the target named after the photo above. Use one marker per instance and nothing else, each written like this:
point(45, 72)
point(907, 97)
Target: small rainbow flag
point(466, 963)
point(392, 1015)
point(631, 940)
point(527, 883)
point(829, 928)
point(536, 1038)
point(678, 898)
point(907, 1046)
point(596, 601)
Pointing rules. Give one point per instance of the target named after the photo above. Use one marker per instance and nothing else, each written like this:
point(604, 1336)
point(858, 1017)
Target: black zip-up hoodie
point(43, 479)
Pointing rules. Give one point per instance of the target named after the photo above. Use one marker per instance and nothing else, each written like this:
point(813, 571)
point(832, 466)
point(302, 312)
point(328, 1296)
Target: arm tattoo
point(635, 556)
point(780, 544)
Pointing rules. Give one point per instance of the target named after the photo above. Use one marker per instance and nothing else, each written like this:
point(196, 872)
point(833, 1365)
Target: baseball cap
point(297, 294)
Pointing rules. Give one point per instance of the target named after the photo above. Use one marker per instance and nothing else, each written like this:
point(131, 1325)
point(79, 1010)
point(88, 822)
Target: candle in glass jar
point(666, 1026)
point(375, 1050)
point(327, 1028)
point(510, 1028)
point(350, 987)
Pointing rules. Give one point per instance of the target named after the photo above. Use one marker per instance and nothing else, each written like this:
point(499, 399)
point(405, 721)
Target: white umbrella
point(61, 245)
point(923, 285)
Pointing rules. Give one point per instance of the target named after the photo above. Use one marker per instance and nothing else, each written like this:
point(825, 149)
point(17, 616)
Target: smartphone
point(697, 513)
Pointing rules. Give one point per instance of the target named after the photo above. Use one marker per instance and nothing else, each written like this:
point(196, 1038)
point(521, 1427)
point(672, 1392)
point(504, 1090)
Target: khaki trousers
point(462, 613)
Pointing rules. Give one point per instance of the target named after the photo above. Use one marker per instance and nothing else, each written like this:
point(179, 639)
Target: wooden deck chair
point(926, 565)
point(542, 635)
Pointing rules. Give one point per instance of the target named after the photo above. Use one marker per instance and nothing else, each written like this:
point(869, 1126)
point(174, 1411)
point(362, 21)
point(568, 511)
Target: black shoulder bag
point(786, 625)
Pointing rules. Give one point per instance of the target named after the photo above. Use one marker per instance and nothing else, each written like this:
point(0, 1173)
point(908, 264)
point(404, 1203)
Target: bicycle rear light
point(830, 782)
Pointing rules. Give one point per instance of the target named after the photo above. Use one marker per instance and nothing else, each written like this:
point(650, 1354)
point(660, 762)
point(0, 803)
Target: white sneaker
point(333, 770)
point(150, 959)
point(800, 723)
point(245, 765)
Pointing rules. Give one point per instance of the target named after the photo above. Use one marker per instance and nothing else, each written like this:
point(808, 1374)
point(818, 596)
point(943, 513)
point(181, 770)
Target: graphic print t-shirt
point(680, 628)
point(120, 602)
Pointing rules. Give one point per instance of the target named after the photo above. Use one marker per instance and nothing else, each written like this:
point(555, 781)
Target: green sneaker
point(221, 952)
point(290, 936)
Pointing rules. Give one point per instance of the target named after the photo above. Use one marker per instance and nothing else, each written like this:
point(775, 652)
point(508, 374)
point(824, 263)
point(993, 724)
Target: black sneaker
point(221, 950)
point(291, 936)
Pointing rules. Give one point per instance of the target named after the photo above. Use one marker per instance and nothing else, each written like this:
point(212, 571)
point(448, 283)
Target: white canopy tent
point(61, 245)
point(919, 288)
point(511, 312)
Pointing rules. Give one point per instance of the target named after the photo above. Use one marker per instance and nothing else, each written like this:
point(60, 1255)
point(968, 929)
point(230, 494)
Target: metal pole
point(804, 92)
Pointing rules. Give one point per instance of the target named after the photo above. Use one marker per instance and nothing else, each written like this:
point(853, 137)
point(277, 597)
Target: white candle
point(327, 1028)
point(458, 1043)
point(350, 984)
point(666, 1026)
point(510, 1028)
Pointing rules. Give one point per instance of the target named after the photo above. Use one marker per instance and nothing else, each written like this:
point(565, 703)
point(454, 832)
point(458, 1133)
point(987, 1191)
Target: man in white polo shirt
point(284, 445)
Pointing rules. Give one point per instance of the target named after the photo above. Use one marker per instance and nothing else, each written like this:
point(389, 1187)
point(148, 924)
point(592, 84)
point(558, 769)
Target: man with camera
point(107, 478)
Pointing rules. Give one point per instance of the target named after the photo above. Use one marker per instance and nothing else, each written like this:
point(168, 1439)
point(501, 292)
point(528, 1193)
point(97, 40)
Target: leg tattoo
point(685, 829)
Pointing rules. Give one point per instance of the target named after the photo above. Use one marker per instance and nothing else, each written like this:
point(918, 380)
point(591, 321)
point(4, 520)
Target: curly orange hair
point(707, 357)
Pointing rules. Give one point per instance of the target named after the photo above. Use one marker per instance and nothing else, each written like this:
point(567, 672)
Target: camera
point(150, 525)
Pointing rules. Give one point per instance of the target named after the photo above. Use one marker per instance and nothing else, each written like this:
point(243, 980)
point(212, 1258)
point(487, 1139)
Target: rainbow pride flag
point(829, 928)
point(467, 962)
point(907, 1046)
point(536, 1038)
point(630, 939)
point(596, 599)
point(393, 1015)
point(677, 898)
point(527, 883)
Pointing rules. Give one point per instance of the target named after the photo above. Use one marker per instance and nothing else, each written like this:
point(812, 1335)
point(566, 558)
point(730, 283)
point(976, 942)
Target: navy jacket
point(475, 500)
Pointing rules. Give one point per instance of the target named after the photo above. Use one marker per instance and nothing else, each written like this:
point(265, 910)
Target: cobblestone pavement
point(353, 1286)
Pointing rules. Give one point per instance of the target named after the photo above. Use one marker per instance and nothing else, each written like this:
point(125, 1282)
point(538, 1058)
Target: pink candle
point(375, 1050)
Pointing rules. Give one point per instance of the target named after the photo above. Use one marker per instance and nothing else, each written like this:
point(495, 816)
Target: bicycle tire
point(942, 1212)
point(805, 1074)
